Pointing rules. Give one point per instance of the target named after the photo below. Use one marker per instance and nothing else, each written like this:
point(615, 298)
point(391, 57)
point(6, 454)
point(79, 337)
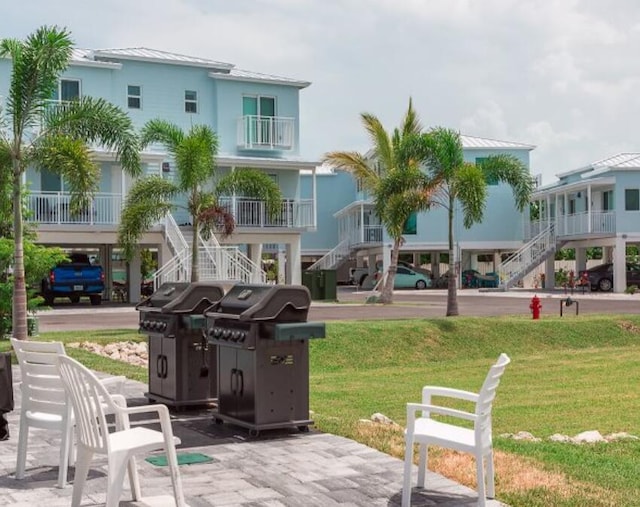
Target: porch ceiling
point(265, 163)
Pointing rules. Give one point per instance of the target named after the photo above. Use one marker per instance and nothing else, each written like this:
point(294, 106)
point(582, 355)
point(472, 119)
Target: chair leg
point(134, 480)
point(63, 466)
point(115, 478)
point(172, 458)
point(23, 437)
point(491, 479)
point(422, 464)
point(80, 476)
point(406, 480)
point(481, 482)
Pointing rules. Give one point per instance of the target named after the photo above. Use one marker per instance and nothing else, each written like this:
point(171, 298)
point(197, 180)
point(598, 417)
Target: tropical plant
point(38, 260)
point(194, 152)
point(392, 174)
point(466, 183)
point(40, 135)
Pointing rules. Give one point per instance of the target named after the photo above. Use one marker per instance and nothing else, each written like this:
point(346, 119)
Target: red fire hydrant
point(535, 307)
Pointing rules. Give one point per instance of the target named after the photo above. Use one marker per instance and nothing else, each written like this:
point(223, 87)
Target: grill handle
point(241, 377)
point(231, 380)
point(158, 366)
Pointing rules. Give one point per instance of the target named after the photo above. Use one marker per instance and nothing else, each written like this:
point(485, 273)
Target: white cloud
point(560, 74)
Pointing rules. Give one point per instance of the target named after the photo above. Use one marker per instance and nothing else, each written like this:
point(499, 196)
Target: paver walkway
point(276, 469)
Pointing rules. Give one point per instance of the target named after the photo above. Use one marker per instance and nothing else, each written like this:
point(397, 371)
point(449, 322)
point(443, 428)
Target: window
point(190, 101)
point(572, 206)
point(68, 90)
point(134, 97)
point(411, 225)
point(632, 199)
point(491, 180)
point(607, 200)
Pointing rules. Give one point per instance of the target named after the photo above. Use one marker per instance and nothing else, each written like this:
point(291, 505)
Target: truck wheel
point(74, 299)
point(362, 279)
point(95, 299)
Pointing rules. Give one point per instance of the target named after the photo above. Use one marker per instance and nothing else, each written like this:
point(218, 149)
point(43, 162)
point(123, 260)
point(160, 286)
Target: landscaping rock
point(381, 419)
point(526, 436)
point(589, 437)
point(558, 437)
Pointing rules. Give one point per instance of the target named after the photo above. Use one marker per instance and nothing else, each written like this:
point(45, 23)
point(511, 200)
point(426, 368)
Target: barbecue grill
point(263, 337)
point(182, 365)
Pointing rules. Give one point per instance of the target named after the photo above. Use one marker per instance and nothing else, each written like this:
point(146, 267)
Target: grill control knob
point(242, 336)
point(163, 326)
point(145, 324)
point(216, 332)
point(235, 335)
point(225, 334)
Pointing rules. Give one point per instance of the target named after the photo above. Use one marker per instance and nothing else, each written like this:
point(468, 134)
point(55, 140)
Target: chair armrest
point(428, 391)
point(115, 384)
point(163, 414)
point(412, 408)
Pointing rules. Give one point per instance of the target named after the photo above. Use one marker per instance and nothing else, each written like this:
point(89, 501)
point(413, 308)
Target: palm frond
point(509, 169)
point(163, 132)
point(411, 123)
point(148, 201)
point(98, 122)
point(252, 183)
point(195, 157)
point(443, 152)
point(380, 140)
point(356, 164)
point(471, 192)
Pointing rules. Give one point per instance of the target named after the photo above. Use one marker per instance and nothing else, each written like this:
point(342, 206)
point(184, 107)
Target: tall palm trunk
point(452, 279)
point(19, 316)
point(195, 257)
point(387, 289)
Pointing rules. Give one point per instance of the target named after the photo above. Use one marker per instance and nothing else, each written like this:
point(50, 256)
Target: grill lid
point(281, 303)
point(183, 297)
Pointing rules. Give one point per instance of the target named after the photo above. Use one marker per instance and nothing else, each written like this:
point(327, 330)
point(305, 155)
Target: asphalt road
point(407, 305)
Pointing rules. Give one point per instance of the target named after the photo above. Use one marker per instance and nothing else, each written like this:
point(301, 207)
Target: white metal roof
point(146, 54)
point(247, 75)
point(629, 160)
point(486, 143)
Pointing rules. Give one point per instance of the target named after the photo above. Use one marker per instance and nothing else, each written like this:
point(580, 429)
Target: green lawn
point(567, 375)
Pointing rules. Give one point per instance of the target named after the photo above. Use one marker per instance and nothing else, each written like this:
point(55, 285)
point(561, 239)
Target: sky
point(563, 75)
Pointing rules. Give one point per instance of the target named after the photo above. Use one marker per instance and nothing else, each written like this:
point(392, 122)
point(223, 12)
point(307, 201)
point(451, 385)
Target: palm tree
point(392, 174)
point(194, 153)
point(35, 134)
point(466, 183)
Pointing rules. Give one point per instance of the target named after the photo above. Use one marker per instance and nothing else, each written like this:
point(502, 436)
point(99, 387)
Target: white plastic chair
point(44, 402)
point(425, 431)
point(88, 395)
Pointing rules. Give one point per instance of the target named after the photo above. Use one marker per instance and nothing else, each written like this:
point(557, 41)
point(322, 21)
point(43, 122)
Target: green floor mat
point(183, 459)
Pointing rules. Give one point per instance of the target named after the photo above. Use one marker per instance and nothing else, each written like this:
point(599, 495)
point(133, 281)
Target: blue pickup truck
point(73, 279)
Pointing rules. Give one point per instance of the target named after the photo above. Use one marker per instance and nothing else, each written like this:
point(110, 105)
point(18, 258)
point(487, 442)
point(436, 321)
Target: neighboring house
point(595, 206)
point(257, 119)
point(361, 237)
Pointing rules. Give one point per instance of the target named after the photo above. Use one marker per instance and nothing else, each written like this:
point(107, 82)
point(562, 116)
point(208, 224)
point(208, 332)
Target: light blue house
point(357, 234)
point(594, 206)
point(257, 118)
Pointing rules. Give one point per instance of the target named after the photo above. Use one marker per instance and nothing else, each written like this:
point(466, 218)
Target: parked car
point(357, 276)
point(406, 278)
point(601, 277)
point(73, 279)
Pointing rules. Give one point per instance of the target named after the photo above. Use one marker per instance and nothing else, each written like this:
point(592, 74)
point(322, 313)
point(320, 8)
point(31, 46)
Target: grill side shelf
point(299, 331)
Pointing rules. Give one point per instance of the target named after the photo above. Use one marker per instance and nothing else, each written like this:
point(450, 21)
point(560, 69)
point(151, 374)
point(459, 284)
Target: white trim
point(265, 163)
point(171, 61)
point(266, 79)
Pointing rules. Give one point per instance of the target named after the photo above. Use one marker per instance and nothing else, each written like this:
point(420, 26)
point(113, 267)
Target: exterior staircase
point(216, 262)
point(334, 257)
point(530, 255)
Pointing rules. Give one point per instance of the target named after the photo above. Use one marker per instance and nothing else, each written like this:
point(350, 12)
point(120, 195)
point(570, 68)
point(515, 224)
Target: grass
point(568, 375)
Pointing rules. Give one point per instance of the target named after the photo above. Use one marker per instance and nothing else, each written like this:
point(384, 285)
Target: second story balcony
point(253, 213)
point(584, 224)
point(266, 133)
point(54, 208)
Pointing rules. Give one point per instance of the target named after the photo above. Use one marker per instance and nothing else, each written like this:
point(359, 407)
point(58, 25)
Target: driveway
point(407, 305)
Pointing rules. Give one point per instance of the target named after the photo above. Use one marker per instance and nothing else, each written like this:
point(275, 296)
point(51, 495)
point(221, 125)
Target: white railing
point(253, 213)
point(266, 132)
point(174, 235)
point(54, 208)
point(528, 257)
point(334, 257)
point(178, 269)
point(228, 263)
point(577, 224)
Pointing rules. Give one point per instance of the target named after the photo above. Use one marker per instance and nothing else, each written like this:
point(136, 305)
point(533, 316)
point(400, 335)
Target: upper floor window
point(190, 101)
point(632, 199)
point(607, 200)
point(68, 90)
point(258, 106)
point(134, 97)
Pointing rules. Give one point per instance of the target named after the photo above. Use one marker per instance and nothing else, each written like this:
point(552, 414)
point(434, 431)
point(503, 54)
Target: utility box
point(322, 284)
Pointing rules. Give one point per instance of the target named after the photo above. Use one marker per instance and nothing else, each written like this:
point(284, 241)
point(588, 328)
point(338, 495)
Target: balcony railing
point(265, 132)
point(54, 208)
point(578, 224)
point(253, 213)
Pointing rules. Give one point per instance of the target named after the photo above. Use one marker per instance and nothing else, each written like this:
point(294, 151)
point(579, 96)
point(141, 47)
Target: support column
point(134, 278)
point(105, 262)
point(581, 260)
point(620, 265)
point(473, 261)
point(282, 264)
point(607, 254)
point(386, 257)
point(255, 254)
point(371, 259)
point(294, 264)
point(497, 260)
point(550, 272)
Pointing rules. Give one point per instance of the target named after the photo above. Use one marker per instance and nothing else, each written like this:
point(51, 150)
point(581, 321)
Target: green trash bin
point(310, 280)
point(328, 281)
